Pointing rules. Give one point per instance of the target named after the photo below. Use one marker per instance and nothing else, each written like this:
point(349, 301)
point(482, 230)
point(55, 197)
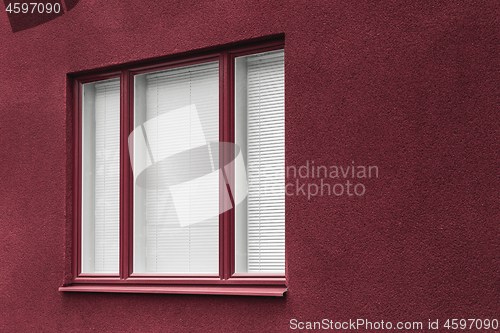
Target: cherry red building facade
point(395, 101)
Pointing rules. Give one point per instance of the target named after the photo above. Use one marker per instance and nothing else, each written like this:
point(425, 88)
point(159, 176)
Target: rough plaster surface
point(411, 87)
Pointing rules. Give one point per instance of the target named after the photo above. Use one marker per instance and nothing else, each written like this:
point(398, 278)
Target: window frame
point(227, 281)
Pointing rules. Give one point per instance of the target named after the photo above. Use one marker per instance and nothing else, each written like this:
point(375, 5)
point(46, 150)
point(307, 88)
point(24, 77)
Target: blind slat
point(169, 247)
point(265, 142)
point(101, 177)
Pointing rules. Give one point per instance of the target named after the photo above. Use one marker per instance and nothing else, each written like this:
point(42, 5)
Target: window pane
point(176, 179)
point(260, 133)
point(101, 177)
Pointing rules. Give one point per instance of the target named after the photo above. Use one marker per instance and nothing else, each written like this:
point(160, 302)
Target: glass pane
point(176, 177)
point(260, 133)
point(101, 177)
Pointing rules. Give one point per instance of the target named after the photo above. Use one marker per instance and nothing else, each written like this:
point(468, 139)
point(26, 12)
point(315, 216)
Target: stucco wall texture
point(412, 87)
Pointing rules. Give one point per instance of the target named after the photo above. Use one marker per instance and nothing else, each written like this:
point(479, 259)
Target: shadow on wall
point(27, 15)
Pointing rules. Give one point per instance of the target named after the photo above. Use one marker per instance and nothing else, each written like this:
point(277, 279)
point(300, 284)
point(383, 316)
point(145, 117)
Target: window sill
point(277, 291)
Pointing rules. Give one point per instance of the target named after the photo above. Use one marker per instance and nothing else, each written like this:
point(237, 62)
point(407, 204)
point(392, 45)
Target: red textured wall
point(412, 87)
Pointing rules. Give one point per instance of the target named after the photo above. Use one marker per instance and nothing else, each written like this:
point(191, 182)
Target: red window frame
point(227, 281)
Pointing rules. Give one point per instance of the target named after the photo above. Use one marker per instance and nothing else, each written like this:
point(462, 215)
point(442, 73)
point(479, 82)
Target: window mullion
point(125, 180)
point(226, 134)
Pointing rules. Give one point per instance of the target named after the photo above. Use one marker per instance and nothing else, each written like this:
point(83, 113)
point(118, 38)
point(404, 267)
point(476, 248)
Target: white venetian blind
point(265, 152)
point(101, 177)
point(168, 237)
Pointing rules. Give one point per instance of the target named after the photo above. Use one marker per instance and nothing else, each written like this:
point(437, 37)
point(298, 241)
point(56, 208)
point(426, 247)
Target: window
point(179, 176)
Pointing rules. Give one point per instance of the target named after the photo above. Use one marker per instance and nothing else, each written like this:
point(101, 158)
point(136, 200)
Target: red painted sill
point(278, 291)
